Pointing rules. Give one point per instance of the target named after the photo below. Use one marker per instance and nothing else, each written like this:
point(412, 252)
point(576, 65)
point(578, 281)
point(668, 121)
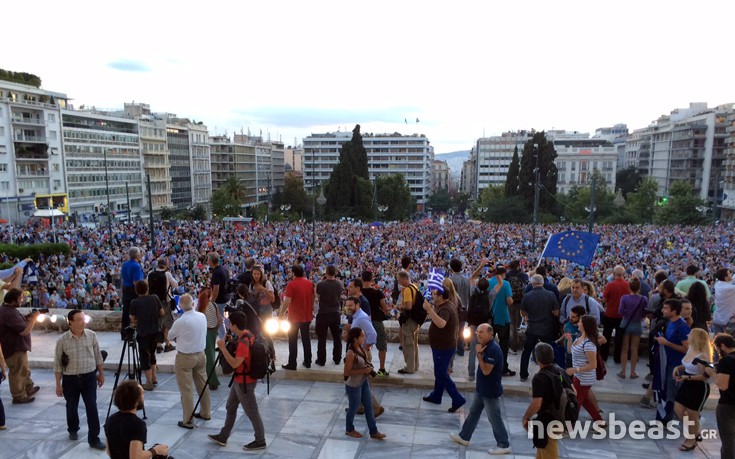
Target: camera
point(129, 333)
point(703, 362)
point(40, 310)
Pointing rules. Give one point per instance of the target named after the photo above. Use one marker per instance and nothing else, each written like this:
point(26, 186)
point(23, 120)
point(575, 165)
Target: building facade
point(493, 156)
point(440, 176)
point(201, 167)
point(294, 158)
point(31, 160)
point(388, 154)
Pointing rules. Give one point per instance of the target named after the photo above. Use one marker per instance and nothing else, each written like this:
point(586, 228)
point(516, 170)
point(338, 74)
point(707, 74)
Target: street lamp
point(321, 200)
point(481, 210)
point(285, 208)
point(535, 194)
point(382, 208)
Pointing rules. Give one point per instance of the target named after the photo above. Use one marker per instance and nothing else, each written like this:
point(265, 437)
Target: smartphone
point(703, 362)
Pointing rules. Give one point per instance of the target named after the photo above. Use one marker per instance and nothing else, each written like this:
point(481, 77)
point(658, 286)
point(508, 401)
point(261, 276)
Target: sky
point(464, 69)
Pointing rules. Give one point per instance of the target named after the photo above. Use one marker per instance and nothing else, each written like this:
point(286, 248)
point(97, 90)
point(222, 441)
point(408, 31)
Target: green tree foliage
point(22, 251)
point(349, 191)
point(578, 200)
point(393, 191)
point(500, 208)
point(224, 205)
point(295, 195)
point(20, 77)
point(547, 170)
point(460, 202)
point(640, 205)
point(167, 213)
point(440, 201)
point(512, 181)
point(681, 206)
point(627, 180)
point(234, 189)
point(199, 213)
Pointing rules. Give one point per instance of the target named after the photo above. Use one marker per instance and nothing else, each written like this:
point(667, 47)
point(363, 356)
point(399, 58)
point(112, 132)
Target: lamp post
point(535, 194)
point(107, 187)
point(285, 208)
point(592, 208)
point(321, 200)
point(382, 208)
point(716, 201)
point(482, 210)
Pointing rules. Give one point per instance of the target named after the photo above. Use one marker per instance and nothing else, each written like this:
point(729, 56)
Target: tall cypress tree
point(511, 181)
point(547, 170)
point(349, 191)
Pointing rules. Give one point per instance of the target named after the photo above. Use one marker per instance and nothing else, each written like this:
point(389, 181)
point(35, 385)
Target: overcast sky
point(292, 68)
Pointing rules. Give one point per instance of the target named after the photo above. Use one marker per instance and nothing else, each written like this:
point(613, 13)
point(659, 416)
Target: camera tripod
point(133, 363)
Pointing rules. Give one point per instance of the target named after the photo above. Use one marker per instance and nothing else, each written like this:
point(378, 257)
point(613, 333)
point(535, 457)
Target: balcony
point(34, 120)
point(30, 138)
point(31, 152)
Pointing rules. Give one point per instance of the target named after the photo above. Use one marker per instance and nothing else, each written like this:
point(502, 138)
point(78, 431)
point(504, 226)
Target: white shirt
point(190, 332)
point(724, 302)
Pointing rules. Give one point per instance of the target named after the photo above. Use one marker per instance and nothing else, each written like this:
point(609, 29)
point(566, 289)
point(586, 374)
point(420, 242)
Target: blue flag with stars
point(576, 246)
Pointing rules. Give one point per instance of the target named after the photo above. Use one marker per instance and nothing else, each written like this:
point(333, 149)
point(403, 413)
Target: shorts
point(147, 351)
point(634, 328)
point(382, 340)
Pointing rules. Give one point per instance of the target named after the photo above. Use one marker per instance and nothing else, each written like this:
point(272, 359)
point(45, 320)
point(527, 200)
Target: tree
point(349, 190)
point(167, 213)
point(681, 207)
point(512, 180)
point(627, 180)
point(440, 201)
point(224, 205)
point(234, 188)
point(578, 200)
point(460, 202)
point(199, 213)
point(295, 195)
point(500, 208)
point(640, 205)
point(548, 173)
point(393, 191)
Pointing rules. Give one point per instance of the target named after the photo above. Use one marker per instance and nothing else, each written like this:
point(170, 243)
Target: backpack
point(479, 310)
point(516, 285)
point(565, 406)
point(157, 283)
point(417, 312)
point(259, 357)
point(565, 303)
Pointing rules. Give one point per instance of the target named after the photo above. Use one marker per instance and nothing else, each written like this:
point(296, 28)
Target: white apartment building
point(575, 165)
point(440, 176)
point(726, 188)
point(201, 167)
point(102, 151)
point(493, 157)
point(388, 154)
point(31, 161)
point(688, 144)
point(269, 166)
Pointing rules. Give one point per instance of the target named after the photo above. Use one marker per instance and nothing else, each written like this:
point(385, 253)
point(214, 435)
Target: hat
point(435, 280)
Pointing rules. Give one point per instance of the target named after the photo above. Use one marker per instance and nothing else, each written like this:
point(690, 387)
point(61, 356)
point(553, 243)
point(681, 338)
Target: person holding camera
point(145, 314)
point(79, 372)
point(725, 381)
point(361, 320)
point(15, 340)
point(126, 433)
point(357, 387)
point(242, 392)
point(130, 273)
point(694, 389)
point(190, 334)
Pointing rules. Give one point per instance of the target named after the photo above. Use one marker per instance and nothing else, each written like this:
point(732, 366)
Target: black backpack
point(516, 285)
point(259, 357)
point(417, 312)
point(157, 284)
point(479, 310)
point(565, 406)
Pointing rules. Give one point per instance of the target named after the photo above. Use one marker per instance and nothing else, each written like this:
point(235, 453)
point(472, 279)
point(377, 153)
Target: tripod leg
point(206, 384)
point(117, 378)
point(137, 370)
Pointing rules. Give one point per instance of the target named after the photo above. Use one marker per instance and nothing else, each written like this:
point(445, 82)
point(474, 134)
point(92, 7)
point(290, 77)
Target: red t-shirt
point(301, 292)
point(612, 294)
point(243, 350)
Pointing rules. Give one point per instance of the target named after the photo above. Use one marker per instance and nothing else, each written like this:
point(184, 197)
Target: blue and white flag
point(435, 280)
point(576, 246)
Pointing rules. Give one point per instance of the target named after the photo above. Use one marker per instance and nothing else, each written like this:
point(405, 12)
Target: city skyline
point(294, 69)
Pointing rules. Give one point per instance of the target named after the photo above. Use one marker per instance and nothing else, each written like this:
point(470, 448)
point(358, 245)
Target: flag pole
point(542, 252)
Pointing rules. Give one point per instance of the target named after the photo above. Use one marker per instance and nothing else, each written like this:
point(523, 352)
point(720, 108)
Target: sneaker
point(288, 367)
point(471, 378)
point(169, 348)
point(499, 451)
point(97, 444)
point(3, 427)
point(403, 371)
point(254, 446)
point(383, 373)
point(509, 373)
point(458, 439)
point(218, 439)
point(73, 436)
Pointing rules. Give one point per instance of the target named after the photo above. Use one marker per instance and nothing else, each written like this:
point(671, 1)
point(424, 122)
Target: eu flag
point(576, 246)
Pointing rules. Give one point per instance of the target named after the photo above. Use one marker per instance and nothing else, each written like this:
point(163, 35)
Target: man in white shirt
point(190, 334)
point(724, 302)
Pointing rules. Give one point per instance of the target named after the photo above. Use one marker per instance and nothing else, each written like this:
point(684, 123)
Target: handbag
point(601, 369)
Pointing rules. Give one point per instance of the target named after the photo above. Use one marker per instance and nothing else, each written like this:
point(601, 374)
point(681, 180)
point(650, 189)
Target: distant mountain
point(454, 160)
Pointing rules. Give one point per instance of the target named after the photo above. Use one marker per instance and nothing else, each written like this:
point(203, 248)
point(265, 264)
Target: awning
point(47, 213)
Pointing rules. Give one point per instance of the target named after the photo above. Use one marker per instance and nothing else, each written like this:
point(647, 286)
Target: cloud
point(128, 65)
point(299, 117)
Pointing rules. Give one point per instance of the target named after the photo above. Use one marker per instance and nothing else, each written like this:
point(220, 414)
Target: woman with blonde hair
point(694, 389)
point(565, 286)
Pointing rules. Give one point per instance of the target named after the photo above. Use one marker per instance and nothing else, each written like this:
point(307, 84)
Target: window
point(3, 149)
point(5, 186)
point(55, 167)
point(2, 131)
point(52, 135)
point(52, 117)
point(3, 167)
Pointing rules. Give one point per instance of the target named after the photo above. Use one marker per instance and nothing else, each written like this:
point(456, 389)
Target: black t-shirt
point(726, 366)
point(330, 295)
point(220, 277)
point(374, 296)
point(146, 310)
point(541, 387)
point(245, 278)
point(121, 429)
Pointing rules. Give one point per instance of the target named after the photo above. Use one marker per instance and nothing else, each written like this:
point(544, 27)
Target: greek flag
point(435, 280)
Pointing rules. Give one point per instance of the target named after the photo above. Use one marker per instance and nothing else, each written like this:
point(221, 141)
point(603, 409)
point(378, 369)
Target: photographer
point(15, 340)
point(242, 392)
point(356, 372)
point(78, 369)
point(126, 433)
point(160, 283)
point(145, 314)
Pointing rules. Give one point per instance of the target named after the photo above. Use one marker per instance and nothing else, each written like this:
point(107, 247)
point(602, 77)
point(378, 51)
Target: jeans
point(515, 322)
point(225, 322)
point(246, 399)
point(584, 401)
point(472, 358)
point(293, 335)
point(529, 344)
point(726, 426)
point(503, 334)
point(328, 322)
point(608, 325)
point(410, 332)
point(357, 396)
point(442, 380)
point(85, 386)
point(492, 409)
point(210, 354)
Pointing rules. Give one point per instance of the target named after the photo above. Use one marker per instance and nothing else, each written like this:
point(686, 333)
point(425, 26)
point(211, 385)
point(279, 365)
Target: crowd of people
point(570, 318)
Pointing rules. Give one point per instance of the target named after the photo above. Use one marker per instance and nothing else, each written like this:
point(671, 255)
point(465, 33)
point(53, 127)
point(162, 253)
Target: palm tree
point(234, 188)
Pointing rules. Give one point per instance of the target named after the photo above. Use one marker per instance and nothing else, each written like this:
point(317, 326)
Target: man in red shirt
point(299, 302)
point(242, 392)
point(611, 321)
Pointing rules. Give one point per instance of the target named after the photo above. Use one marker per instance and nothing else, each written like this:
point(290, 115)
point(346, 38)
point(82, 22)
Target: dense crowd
point(88, 276)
